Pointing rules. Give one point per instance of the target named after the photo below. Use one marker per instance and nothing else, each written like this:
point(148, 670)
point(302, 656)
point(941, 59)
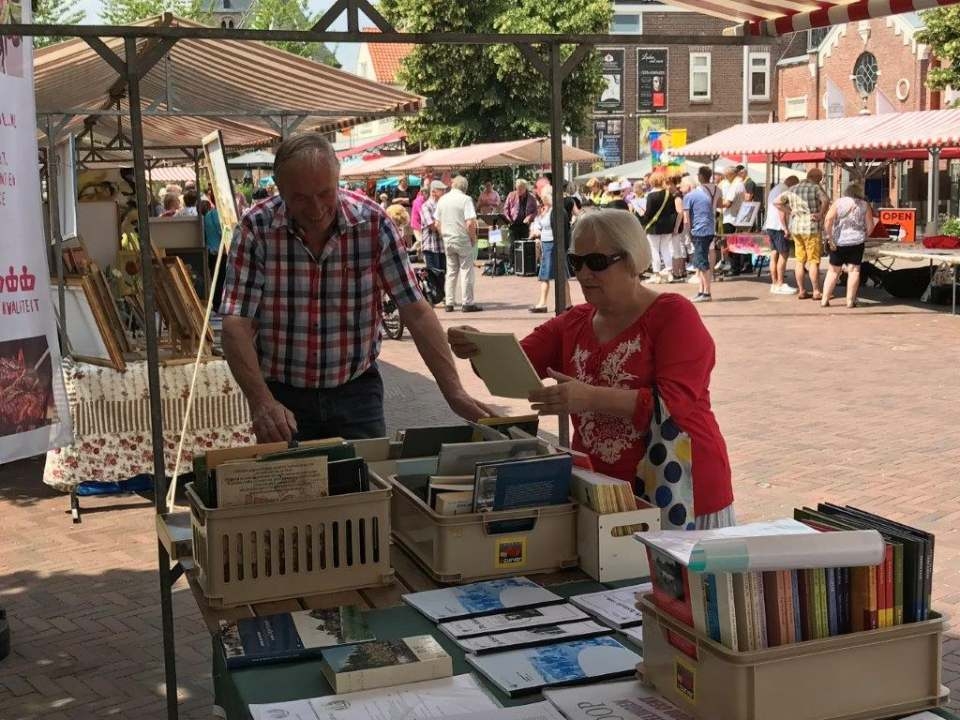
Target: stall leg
point(75, 506)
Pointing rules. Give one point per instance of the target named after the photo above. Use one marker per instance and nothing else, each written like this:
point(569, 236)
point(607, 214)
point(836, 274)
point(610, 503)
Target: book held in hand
point(480, 598)
point(290, 636)
point(502, 364)
point(385, 663)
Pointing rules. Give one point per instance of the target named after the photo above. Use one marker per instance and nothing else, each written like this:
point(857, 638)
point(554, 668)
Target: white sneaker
point(693, 280)
point(774, 289)
point(786, 290)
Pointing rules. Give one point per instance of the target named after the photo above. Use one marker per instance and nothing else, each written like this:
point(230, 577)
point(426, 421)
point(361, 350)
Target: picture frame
point(747, 214)
point(195, 260)
point(223, 193)
point(87, 330)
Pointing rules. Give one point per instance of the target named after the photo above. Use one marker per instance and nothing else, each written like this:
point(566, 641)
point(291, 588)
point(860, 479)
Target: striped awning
point(779, 17)
point(177, 174)
point(889, 135)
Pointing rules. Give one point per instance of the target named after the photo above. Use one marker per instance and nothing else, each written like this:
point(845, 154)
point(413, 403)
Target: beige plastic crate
point(463, 548)
point(283, 550)
point(606, 557)
point(882, 673)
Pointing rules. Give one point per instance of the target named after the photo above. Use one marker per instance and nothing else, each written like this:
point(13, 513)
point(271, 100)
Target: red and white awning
point(176, 174)
point(907, 134)
point(779, 17)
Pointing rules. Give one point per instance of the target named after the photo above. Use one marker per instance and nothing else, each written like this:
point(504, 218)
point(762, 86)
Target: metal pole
point(153, 368)
point(558, 218)
point(745, 99)
point(934, 221)
point(53, 207)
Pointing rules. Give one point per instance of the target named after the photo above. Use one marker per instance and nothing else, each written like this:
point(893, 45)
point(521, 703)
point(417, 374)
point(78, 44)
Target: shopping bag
point(666, 470)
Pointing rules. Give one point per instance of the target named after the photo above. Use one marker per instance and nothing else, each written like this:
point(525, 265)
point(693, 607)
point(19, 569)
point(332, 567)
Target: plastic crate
point(882, 673)
point(477, 546)
point(606, 557)
point(283, 550)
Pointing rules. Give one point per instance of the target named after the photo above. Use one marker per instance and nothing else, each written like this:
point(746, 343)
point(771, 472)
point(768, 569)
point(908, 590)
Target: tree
point(487, 93)
point(124, 12)
point(56, 12)
point(291, 15)
point(942, 34)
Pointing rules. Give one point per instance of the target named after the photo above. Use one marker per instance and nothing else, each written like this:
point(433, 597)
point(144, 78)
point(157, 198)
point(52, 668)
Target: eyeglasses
point(598, 262)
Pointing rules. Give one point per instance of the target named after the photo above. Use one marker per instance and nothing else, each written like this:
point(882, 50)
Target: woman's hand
point(569, 396)
point(459, 345)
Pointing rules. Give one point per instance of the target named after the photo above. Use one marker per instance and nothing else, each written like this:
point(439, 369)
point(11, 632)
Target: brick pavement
point(852, 406)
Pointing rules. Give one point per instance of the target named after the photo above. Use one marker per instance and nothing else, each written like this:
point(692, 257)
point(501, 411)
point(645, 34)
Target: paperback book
point(513, 620)
point(617, 608)
point(623, 700)
point(517, 672)
point(535, 482)
point(516, 639)
point(385, 663)
point(480, 598)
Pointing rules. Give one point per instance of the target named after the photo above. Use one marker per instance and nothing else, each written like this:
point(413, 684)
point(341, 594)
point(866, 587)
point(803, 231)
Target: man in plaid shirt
point(302, 305)
point(802, 211)
point(432, 243)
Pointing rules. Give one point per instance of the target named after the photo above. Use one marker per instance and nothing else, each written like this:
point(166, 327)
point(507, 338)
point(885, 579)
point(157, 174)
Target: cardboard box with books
point(271, 522)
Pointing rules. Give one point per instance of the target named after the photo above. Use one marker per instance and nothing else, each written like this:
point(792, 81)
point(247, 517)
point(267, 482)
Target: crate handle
point(511, 525)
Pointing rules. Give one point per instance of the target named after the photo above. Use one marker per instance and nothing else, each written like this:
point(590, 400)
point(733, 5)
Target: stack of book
point(602, 493)
point(828, 572)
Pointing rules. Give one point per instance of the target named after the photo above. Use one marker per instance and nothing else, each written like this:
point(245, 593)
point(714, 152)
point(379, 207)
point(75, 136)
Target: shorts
point(807, 248)
point(847, 255)
point(779, 242)
point(546, 262)
point(701, 251)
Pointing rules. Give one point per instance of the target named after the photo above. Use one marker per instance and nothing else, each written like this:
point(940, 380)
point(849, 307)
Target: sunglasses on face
point(598, 262)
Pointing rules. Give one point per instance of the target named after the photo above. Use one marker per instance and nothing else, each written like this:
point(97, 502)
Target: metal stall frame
point(133, 68)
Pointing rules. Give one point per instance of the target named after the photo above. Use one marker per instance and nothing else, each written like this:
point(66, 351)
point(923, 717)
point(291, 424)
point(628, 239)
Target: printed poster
point(34, 416)
point(608, 140)
point(222, 185)
point(651, 81)
point(611, 99)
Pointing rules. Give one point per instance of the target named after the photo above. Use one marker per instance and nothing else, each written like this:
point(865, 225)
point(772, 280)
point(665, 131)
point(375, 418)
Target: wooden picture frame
point(223, 193)
point(89, 334)
point(195, 260)
point(99, 286)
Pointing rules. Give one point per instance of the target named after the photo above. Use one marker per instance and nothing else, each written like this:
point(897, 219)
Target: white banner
point(34, 415)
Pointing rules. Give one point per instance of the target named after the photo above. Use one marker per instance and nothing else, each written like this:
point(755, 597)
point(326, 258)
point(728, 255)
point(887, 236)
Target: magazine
point(480, 598)
point(523, 618)
point(618, 608)
point(534, 636)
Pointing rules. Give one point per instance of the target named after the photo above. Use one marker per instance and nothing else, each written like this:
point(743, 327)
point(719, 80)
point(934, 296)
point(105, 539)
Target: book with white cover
point(502, 365)
point(430, 700)
point(524, 618)
point(618, 608)
point(521, 671)
point(627, 700)
point(533, 711)
point(480, 598)
point(634, 634)
point(534, 636)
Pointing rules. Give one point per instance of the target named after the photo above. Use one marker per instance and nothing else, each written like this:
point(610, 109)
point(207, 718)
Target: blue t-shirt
point(212, 230)
point(700, 205)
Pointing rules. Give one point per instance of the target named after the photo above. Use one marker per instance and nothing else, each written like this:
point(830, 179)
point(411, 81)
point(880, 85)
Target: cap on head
point(437, 185)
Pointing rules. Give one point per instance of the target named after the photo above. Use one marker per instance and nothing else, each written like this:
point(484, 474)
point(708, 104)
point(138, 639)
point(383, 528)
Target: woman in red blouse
point(607, 354)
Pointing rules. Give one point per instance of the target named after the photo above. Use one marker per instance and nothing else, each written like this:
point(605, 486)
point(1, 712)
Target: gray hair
point(460, 183)
point(520, 183)
point(620, 229)
point(310, 145)
point(854, 191)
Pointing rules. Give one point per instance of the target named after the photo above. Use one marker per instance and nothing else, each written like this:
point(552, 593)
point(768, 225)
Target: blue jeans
point(352, 411)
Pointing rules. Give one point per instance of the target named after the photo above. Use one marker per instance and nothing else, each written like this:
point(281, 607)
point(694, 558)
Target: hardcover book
point(510, 484)
point(480, 598)
point(252, 482)
point(514, 620)
point(617, 608)
point(385, 663)
point(534, 636)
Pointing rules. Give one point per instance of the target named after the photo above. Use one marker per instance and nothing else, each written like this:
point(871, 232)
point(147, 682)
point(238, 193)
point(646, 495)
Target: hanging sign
point(651, 81)
point(611, 99)
point(608, 140)
point(34, 416)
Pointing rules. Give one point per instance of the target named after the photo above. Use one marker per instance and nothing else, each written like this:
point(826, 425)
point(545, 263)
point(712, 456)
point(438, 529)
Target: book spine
point(786, 615)
point(888, 583)
point(872, 610)
point(821, 600)
point(806, 607)
point(698, 602)
point(797, 634)
point(844, 607)
point(759, 610)
point(928, 581)
point(881, 582)
point(898, 584)
point(748, 614)
point(859, 613)
point(774, 608)
point(727, 611)
point(832, 610)
point(712, 607)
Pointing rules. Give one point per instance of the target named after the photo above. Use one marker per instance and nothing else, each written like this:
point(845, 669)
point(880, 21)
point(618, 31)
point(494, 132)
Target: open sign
point(901, 223)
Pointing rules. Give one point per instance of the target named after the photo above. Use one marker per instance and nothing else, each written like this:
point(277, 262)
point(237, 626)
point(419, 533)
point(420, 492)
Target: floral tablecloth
point(111, 420)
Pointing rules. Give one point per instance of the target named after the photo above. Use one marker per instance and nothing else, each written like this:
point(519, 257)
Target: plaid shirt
point(430, 239)
point(805, 200)
point(319, 319)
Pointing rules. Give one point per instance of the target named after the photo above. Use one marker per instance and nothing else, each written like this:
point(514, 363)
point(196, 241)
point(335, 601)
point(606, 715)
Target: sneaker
point(471, 308)
point(702, 297)
point(538, 309)
point(448, 308)
point(774, 289)
point(786, 290)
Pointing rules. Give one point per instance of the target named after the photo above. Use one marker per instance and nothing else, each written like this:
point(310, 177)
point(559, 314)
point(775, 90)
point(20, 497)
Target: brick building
point(696, 87)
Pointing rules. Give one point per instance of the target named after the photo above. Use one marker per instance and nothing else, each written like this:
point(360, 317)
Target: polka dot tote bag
point(666, 469)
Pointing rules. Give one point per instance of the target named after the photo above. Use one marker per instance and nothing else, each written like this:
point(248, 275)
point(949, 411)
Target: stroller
point(431, 282)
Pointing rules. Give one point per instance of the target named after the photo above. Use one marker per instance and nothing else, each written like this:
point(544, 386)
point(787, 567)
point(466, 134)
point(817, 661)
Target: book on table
point(520, 619)
point(480, 598)
point(532, 482)
point(517, 672)
point(462, 458)
point(426, 441)
point(530, 637)
point(503, 365)
point(620, 700)
point(616, 607)
point(385, 663)
point(290, 636)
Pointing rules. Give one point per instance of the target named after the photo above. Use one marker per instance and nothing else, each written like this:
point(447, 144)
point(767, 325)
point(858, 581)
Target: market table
point(918, 253)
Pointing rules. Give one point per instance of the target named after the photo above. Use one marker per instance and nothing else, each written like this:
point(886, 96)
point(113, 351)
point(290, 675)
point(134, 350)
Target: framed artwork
point(747, 215)
point(213, 149)
point(87, 330)
point(67, 187)
point(195, 260)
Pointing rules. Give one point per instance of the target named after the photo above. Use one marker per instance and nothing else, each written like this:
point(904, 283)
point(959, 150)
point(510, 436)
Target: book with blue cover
point(480, 598)
point(290, 636)
point(533, 482)
point(517, 672)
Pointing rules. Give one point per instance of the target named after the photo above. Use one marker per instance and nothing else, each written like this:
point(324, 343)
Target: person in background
point(542, 229)
point(608, 354)
point(749, 195)
point(731, 198)
point(847, 225)
point(615, 192)
point(594, 188)
point(259, 194)
point(639, 203)
point(520, 208)
point(431, 242)
point(699, 215)
point(242, 204)
point(401, 218)
point(678, 248)
point(384, 200)
point(212, 238)
point(402, 194)
point(801, 212)
point(776, 232)
point(488, 203)
point(189, 208)
point(458, 228)
point(171, 204)
point(572, 206)
point(416, 221)
point(660, 222)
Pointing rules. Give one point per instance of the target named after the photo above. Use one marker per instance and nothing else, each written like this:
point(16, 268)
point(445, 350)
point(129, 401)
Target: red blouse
point(669, 345)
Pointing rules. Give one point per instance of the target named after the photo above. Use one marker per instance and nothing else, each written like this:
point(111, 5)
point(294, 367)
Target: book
point(254, 482)
point(621, 700)
point(454, 503)
point(530, 424)
point(671, 588)
point(502, 365)
point(741, 594)
point(348, 476)
point(775, 589)
point(480, 598)
point(440, 484)
point(290, 636)
point(511, 484)
point(426, 441)
point(601, 493)
point(534, 711)
point(513, 620)
point(617, 608)
point(634, 634)
point(462, 458)
point(534, 636)
point(517, 672)
point(385, 663)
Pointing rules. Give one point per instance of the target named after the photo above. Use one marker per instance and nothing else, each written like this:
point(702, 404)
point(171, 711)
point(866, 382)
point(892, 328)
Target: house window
point(625, 23)
point(700, 77)
point(759, 63)
point(226, 4)
point(815, 36)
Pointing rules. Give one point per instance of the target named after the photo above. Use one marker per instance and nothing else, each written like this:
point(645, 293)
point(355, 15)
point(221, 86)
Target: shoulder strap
point(653, 220)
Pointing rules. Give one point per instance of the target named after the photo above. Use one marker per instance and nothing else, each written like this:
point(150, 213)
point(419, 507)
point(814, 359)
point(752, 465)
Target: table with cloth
point(111, 420)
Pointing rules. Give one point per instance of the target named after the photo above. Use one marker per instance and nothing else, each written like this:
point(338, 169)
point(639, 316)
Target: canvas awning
point(357, 151)
point(866, 137)
point(252, 159)
point(378, 167)
point(534, 151)
point(175, 174)
point(779, 17)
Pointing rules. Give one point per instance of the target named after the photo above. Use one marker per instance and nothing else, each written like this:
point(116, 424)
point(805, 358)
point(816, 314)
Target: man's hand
point(466, 407)
point(272, 422)
point(461, 347)
point(568, 396)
